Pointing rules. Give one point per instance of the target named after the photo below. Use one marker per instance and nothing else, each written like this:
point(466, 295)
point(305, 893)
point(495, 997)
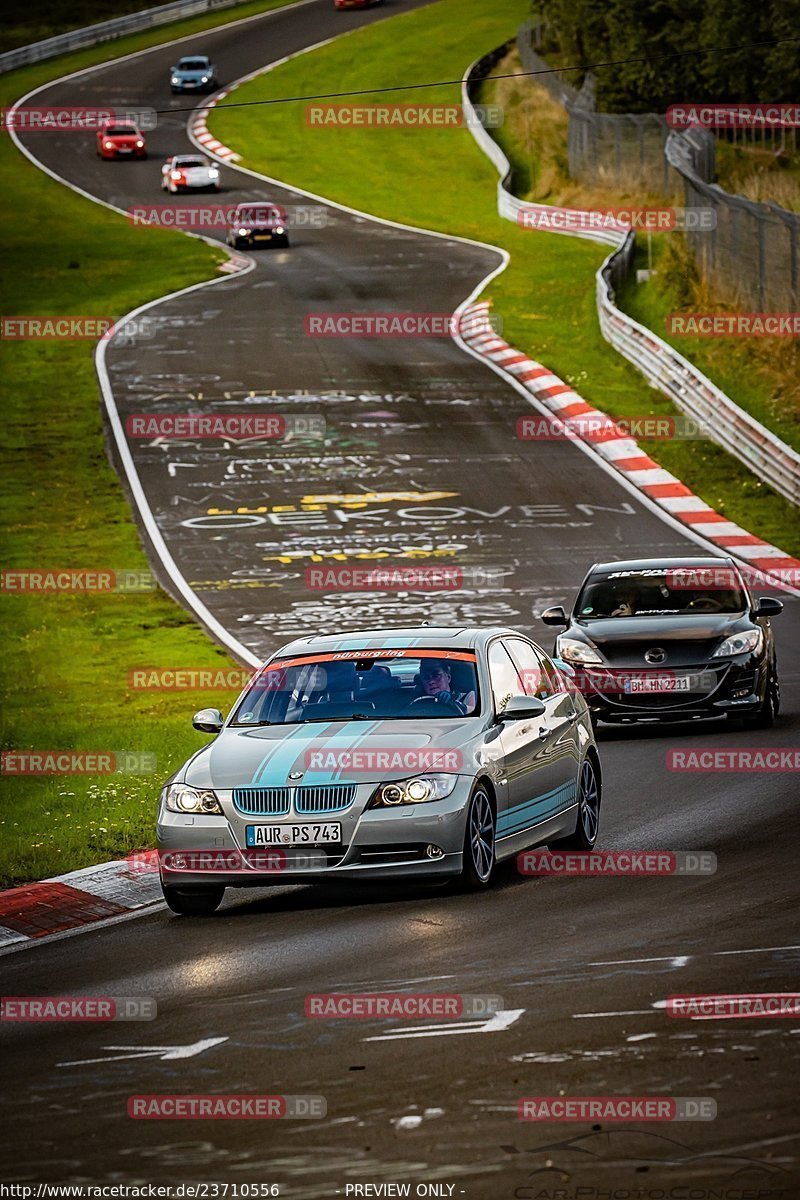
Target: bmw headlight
point(243, 232)
point(573, 651)
point(748, 642)
point(279, 229)
point(180, 798)
point(419, 790)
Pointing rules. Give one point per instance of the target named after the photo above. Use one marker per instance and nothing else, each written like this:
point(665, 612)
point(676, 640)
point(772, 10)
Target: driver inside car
point(436, 681)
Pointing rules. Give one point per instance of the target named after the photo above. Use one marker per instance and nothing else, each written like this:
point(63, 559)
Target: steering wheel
point(429, 704)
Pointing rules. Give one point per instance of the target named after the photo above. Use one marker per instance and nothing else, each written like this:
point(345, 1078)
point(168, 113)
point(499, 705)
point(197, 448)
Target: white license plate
point(294, 835)
point(663, 683)
point(124, 150)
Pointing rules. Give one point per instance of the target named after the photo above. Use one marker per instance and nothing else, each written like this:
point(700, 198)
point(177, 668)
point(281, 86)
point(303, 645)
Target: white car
point(189, 172)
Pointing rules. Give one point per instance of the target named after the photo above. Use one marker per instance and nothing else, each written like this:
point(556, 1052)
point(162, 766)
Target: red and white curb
point(766, 563)
point(68, 903)
point(199, 130)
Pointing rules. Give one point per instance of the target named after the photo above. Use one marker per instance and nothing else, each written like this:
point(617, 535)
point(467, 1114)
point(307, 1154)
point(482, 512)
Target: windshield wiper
point(346, 717)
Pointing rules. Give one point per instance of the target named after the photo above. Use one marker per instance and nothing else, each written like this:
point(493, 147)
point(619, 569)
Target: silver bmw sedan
point(424, 752)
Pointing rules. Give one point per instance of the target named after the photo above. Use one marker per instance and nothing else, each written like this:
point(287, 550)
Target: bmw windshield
point(362, 684)
point(675, 591)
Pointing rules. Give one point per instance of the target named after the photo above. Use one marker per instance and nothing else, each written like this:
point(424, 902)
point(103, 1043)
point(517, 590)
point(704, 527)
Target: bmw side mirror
point(208, 720)
point(520, 707)
point(554, 616)
point(768, 606)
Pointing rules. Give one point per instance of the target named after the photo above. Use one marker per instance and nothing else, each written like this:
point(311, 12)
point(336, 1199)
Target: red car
point(115, 140)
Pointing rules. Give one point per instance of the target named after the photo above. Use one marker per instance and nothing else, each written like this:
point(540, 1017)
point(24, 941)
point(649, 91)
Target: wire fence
point(750, 255)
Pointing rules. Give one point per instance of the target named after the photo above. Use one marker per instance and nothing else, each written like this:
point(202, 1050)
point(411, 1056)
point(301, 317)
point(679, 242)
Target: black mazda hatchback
point(671, 640)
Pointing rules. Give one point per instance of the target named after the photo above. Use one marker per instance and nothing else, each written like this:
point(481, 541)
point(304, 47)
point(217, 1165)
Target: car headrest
point(340, 677)
point(378, 678)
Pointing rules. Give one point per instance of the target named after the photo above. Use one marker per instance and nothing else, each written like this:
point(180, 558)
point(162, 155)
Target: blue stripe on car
point(529, 812)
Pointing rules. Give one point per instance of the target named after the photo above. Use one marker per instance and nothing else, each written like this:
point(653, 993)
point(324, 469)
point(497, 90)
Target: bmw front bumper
point(409, 841)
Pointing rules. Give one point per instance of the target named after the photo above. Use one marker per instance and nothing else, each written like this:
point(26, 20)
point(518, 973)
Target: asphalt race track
point(428, 432)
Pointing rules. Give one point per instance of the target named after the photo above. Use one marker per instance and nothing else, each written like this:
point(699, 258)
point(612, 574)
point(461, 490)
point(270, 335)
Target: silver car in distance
point(427, 753)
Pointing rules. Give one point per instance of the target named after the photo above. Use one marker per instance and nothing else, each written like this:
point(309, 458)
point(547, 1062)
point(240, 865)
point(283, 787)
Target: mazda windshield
point(673, 591)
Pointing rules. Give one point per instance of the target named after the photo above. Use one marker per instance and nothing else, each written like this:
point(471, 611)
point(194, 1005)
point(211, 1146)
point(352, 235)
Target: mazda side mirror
point(554, 616)
point(208, 720)
point(520, 707)
point(768, 606)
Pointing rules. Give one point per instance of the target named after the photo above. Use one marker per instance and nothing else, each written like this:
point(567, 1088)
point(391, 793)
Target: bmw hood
point(328, 752)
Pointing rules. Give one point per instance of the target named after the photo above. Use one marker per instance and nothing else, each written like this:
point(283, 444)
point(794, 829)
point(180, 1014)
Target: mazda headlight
point(279, 229)
point(204, 79)
point(418, 790)
point(175, 79)
point(180, 798)
point(573, 651)
point(243, 232)
point(748, 642)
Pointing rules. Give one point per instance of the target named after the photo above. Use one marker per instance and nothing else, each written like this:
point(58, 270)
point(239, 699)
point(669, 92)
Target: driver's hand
point(444, 696)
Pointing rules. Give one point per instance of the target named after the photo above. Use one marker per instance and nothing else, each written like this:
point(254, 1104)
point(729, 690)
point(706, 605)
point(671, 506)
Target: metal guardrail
point(692, 392)
point(106, 31)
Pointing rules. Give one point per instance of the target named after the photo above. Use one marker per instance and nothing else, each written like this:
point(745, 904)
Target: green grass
point(66, 660)
point(438, 179)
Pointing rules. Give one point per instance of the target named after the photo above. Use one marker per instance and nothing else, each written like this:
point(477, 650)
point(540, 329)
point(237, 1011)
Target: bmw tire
point(479, 857)
point(588, 821)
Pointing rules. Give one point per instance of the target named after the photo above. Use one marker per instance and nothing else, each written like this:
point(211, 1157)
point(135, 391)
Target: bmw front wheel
point(479, 843)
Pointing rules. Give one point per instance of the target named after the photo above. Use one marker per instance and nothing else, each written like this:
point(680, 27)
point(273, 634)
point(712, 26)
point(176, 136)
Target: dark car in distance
point(670, 640)
point(257, 223)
